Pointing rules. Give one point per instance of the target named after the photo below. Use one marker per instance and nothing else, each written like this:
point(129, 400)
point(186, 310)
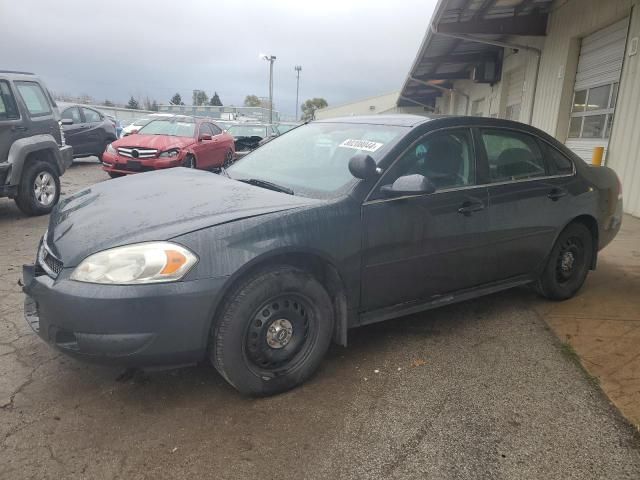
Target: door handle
point(557, 193)
point(468, 208)
point(19, 128)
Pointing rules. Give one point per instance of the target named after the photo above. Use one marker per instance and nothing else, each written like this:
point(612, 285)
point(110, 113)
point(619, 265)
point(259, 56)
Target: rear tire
point(115, 174)
point(273, 331)
point(568, 264)
point(106, 144)
point(39, 188)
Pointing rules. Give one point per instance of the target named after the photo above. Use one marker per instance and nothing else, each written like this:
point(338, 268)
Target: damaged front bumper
point(134, 325)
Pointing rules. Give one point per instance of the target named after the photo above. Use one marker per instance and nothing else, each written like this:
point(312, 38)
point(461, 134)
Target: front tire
point(568, 264)
point(39, 188)
point(189, 162)
point(273, 331)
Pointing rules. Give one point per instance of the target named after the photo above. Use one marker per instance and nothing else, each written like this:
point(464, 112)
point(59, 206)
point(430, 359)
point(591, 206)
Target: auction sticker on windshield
point(365, 145)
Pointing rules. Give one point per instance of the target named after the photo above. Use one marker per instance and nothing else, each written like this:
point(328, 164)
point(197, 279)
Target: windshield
point(174, 128)
point(248, 131)
point(313, 160)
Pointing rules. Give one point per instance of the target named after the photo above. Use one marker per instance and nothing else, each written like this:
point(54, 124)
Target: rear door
point(94, 132)
point(11, 127)
point(42, 117)
point(422, 246)
point(527, 204)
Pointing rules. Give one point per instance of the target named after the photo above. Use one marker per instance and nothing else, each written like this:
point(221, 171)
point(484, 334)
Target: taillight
point(62, 140)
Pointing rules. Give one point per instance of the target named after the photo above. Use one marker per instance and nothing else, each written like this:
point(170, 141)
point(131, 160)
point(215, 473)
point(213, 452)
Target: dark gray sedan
point(338, 224)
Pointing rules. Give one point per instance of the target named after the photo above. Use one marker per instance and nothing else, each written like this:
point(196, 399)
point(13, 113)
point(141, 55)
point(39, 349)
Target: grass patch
point(570, 353)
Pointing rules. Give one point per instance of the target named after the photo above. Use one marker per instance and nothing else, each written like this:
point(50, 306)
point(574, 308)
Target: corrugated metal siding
point(577, 19)
point(624, 146)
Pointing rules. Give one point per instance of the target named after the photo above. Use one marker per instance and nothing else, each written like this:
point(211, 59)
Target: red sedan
point(170, 142)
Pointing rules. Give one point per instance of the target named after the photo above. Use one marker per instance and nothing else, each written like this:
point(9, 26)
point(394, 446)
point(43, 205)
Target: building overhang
point(452, 48)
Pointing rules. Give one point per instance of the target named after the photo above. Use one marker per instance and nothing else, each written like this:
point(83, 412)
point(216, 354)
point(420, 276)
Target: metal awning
point(443, 59)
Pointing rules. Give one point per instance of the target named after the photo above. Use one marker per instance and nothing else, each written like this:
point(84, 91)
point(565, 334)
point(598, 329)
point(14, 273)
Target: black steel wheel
point(273, 331)
point(228, 159)
point(568, 264)
point(189, 162)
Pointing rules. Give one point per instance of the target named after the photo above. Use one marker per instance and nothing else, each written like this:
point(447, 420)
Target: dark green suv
point(33, 154)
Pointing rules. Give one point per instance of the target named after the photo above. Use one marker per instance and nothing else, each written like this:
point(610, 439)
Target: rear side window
point(8, 108)
point(34, 98)
point(561, 163)
point(91, 116)
point(512, 155)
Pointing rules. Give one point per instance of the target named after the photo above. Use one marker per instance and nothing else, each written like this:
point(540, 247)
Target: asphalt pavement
point(478, 390)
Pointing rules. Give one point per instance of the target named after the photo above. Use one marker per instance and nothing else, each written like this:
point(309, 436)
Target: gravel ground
point(471, 391)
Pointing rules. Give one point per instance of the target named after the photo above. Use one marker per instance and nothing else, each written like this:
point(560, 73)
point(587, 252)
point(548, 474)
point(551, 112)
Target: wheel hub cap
point(279, 333)
point(44, 188)
point(567, 261)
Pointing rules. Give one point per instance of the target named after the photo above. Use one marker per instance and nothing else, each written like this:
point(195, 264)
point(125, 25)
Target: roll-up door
point(596, 89)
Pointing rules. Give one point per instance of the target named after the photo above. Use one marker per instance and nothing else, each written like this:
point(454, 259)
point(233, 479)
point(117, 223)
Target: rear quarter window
point(34, 98)
point(559, 162)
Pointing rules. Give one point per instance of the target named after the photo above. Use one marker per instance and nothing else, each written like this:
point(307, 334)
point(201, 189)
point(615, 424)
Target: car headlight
point(174, 152)
point(111, 150)
point(136, 264)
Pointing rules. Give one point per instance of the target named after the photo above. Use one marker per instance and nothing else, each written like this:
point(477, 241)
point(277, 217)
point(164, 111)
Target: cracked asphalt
point(479, 390)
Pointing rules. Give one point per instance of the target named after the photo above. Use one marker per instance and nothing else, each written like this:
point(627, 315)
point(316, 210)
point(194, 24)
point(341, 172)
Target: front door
point(205, 148)
point(75, 134)
point(419, 247)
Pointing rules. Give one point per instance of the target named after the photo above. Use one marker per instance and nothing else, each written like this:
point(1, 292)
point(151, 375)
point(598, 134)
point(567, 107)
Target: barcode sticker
point(364, 145)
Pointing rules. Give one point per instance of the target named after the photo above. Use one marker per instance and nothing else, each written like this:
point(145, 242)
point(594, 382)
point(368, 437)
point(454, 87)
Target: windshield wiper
point(268, 185)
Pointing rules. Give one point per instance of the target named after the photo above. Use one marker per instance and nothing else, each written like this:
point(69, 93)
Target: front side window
point(34, 98)
point(91, 116)
point(73, 114)
point(8, 108)
point(215, 129)
point(512, 155)
point(592, 111)
point(205, 129)
point(445, 158)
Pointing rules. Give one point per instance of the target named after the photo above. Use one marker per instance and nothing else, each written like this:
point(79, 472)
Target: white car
point(138, 123)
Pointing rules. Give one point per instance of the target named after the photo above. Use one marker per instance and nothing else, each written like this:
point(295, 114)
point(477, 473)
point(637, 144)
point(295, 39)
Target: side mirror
point(409, 185)
point(67, 121)
point(205, 136)
point(363, 166)
point(133, 132)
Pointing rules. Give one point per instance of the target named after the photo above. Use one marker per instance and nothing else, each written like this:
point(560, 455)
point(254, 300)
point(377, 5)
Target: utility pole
point(270, 59)
point(297, 68)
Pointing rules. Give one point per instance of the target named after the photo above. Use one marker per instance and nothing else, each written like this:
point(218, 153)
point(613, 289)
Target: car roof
point(401, 120)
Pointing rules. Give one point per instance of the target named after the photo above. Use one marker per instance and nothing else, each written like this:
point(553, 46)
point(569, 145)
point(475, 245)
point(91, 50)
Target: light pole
point(270, 59)
point(297, 68)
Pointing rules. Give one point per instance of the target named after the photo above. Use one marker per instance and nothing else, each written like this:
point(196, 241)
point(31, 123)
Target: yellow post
point(598, 153)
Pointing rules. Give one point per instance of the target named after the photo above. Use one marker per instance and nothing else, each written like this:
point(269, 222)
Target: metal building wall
point(569, 21)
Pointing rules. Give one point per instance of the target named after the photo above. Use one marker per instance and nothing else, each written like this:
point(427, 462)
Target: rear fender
point(23, 147)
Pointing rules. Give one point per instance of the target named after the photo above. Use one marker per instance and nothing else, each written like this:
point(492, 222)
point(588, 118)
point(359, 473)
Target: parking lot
point(482, 389)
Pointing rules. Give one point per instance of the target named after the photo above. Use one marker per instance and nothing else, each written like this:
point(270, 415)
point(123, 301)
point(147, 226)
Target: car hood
point(158, 142)
point(155, 206)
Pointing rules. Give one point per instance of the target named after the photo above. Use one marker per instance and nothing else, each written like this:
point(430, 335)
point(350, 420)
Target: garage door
point(596, 89)
point(515, 87)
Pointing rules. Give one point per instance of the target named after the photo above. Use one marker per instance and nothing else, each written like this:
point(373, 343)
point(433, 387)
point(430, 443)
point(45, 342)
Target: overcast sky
point(112, 49)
